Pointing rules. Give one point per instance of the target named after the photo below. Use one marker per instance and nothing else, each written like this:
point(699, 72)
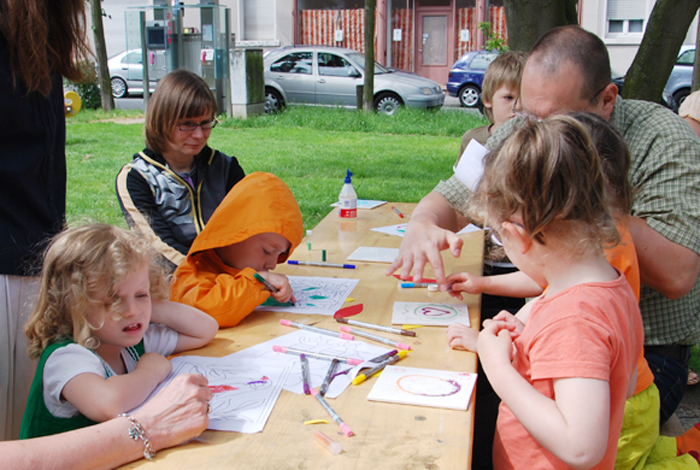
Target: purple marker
point(305, 373)
point(322, 265)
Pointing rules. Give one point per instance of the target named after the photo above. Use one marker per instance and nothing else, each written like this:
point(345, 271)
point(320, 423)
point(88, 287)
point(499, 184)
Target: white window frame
point(644, 10)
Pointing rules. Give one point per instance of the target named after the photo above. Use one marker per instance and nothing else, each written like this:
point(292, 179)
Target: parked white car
point(126, 72)
point(323, 75)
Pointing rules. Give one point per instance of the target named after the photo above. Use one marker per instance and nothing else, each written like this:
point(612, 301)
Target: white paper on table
point(316, 295)
point(364, 203)
point(430, 313)
point(315, 342)
point(375, 254)
point(244, 392)
point(424, 387)
point(400, 229)
point(470, 168)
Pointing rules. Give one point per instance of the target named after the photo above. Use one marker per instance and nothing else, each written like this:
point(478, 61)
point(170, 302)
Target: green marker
point(271, 288)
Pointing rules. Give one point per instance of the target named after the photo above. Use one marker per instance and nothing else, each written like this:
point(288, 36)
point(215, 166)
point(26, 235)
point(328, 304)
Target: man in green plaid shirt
point(569, 70)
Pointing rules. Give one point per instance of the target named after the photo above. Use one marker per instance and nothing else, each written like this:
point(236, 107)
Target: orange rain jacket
point(259, 203)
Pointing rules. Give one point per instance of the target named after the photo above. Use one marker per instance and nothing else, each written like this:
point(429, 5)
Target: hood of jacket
point(259, 203)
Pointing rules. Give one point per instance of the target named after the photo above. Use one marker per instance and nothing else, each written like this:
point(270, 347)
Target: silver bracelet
point(137, 432)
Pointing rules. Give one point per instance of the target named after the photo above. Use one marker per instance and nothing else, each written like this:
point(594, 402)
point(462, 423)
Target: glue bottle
point(347, 200)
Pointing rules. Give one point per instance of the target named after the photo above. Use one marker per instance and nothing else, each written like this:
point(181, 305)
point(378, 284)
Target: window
point(687, 58)
point(298, 62)
point(482, 61)
point(132, 58)
point(258, 19)
point(626, 17)
point(334, 65)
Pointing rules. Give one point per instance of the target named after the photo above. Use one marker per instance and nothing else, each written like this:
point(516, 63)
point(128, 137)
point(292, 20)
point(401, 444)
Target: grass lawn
point(397, 158)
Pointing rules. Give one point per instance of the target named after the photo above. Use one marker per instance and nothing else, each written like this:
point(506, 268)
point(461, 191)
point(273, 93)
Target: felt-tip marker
point(378, 368)
point(316, 329)
point(344, 427)
point(329, 376)
point(346, 360)
point(410, 285)
point(271, 288)
point(387, 329)
point(323, 265)
point(305, 373)
point(381, 339)
point(398, 212)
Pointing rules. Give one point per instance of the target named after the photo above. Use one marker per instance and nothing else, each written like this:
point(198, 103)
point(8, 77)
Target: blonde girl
point(101, 329)
point(563, 365)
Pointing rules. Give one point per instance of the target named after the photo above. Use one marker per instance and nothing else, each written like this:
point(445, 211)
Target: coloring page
point(429, 313)
point(316, 295)
point(244, 393)
point(318, 343)
point(400, 229)
point(375, 254)
point(424, 387)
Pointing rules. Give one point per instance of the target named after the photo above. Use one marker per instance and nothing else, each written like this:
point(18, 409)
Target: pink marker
point(344, 427)
point(345, 360)
point(381, 339)
point(317, 330)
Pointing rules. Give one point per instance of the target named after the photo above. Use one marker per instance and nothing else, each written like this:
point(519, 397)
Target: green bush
point(88, 90)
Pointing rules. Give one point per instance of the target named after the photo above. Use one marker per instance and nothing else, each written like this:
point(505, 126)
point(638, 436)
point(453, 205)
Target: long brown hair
point(44, 36)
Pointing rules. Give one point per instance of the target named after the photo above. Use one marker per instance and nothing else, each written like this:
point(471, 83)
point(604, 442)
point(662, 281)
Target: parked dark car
point(467, 75)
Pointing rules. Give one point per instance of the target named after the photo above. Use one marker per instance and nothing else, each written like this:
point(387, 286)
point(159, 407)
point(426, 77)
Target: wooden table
point(387, 435)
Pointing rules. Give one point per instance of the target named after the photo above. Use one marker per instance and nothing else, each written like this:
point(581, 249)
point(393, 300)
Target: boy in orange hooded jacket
point(256, 226)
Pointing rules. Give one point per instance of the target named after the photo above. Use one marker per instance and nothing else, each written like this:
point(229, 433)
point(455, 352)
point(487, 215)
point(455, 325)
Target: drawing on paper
point(314, 342)
point(424, 387)
point(243, 394)
point(428, 386)
point(316, 295)
point(424, 313)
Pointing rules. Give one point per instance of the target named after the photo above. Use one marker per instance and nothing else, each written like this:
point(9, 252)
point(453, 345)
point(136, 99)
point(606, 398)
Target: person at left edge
point(174, 185)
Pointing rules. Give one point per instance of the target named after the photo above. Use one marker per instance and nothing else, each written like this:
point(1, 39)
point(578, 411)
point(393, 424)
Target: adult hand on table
point(177, 413)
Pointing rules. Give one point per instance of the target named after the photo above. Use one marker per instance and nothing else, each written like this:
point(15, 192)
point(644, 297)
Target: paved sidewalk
point(687, 414)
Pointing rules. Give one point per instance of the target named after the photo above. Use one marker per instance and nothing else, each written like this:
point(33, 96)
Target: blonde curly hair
point(80, 265)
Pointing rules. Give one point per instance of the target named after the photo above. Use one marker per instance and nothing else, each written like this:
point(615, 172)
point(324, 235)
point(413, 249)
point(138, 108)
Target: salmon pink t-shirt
point(591, 330)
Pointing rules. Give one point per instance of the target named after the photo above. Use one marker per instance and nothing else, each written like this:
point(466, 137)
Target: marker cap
point(345, 328)
point(346, 336)
point(403, 346)
point(359, 379)
point(329, 444)
point(346, 429)
point(285, 322)
point(354, 362)
point(279, 349)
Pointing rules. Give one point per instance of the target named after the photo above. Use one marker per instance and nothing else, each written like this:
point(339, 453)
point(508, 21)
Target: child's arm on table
point(281, 282)
point(460, 336)
point(574, 427)
point(517, 284)
point(194, 327)
point(101, 399)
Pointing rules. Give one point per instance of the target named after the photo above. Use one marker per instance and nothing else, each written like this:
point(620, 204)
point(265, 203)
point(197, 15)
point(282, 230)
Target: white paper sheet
point(316, 295)
point(424, 387)
point(244, 392)
point(364, 203)
point(400, 229)
point(470, 167)
point(309, 341)
point(429, 313)
point(374, 254)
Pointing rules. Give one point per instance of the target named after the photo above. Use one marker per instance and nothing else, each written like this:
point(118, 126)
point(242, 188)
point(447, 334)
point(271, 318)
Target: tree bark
point(527, 20)
point(664, 35)
point(696, 63)
point(369, 55)
point(101, 53)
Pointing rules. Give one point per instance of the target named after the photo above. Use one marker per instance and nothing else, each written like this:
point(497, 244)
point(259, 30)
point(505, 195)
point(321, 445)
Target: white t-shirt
point(74, 359)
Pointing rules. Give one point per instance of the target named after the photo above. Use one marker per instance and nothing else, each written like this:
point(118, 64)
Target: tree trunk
point(101, 53)
point(527, 20)
point(664, 35)
point(369, 55)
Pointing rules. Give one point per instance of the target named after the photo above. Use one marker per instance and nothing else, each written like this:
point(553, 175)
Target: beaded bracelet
point(137, 432)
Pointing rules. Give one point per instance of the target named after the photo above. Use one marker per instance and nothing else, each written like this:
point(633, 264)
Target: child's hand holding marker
point(278, 285)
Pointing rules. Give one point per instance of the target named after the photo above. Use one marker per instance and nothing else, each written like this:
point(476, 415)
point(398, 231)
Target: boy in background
point(256, 227)
point(500, 90)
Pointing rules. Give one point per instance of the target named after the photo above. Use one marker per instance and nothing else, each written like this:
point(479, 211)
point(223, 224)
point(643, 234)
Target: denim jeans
point(671, 378)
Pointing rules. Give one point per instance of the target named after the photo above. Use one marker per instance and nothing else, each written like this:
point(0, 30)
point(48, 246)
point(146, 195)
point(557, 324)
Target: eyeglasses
point(188, 126)
point(495, 237)
point(520, 113)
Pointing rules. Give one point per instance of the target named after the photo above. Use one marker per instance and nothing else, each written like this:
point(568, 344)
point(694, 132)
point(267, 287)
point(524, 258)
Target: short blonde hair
point(79, 265)
point(506, 70)
point(180, 94)
point(549, 173)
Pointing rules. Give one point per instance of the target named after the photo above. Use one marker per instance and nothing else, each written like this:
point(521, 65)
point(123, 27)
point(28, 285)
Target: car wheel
point(469, 96)
point(273, 101)
point(387, 103)
point(679, 97)
point(119, 89)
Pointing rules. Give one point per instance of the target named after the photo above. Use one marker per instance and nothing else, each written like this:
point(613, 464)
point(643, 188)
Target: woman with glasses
point(173, 186)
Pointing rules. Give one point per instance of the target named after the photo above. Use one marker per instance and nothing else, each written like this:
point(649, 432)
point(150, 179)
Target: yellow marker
point(412, 327)
point(316, 421)
point(379, 367)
